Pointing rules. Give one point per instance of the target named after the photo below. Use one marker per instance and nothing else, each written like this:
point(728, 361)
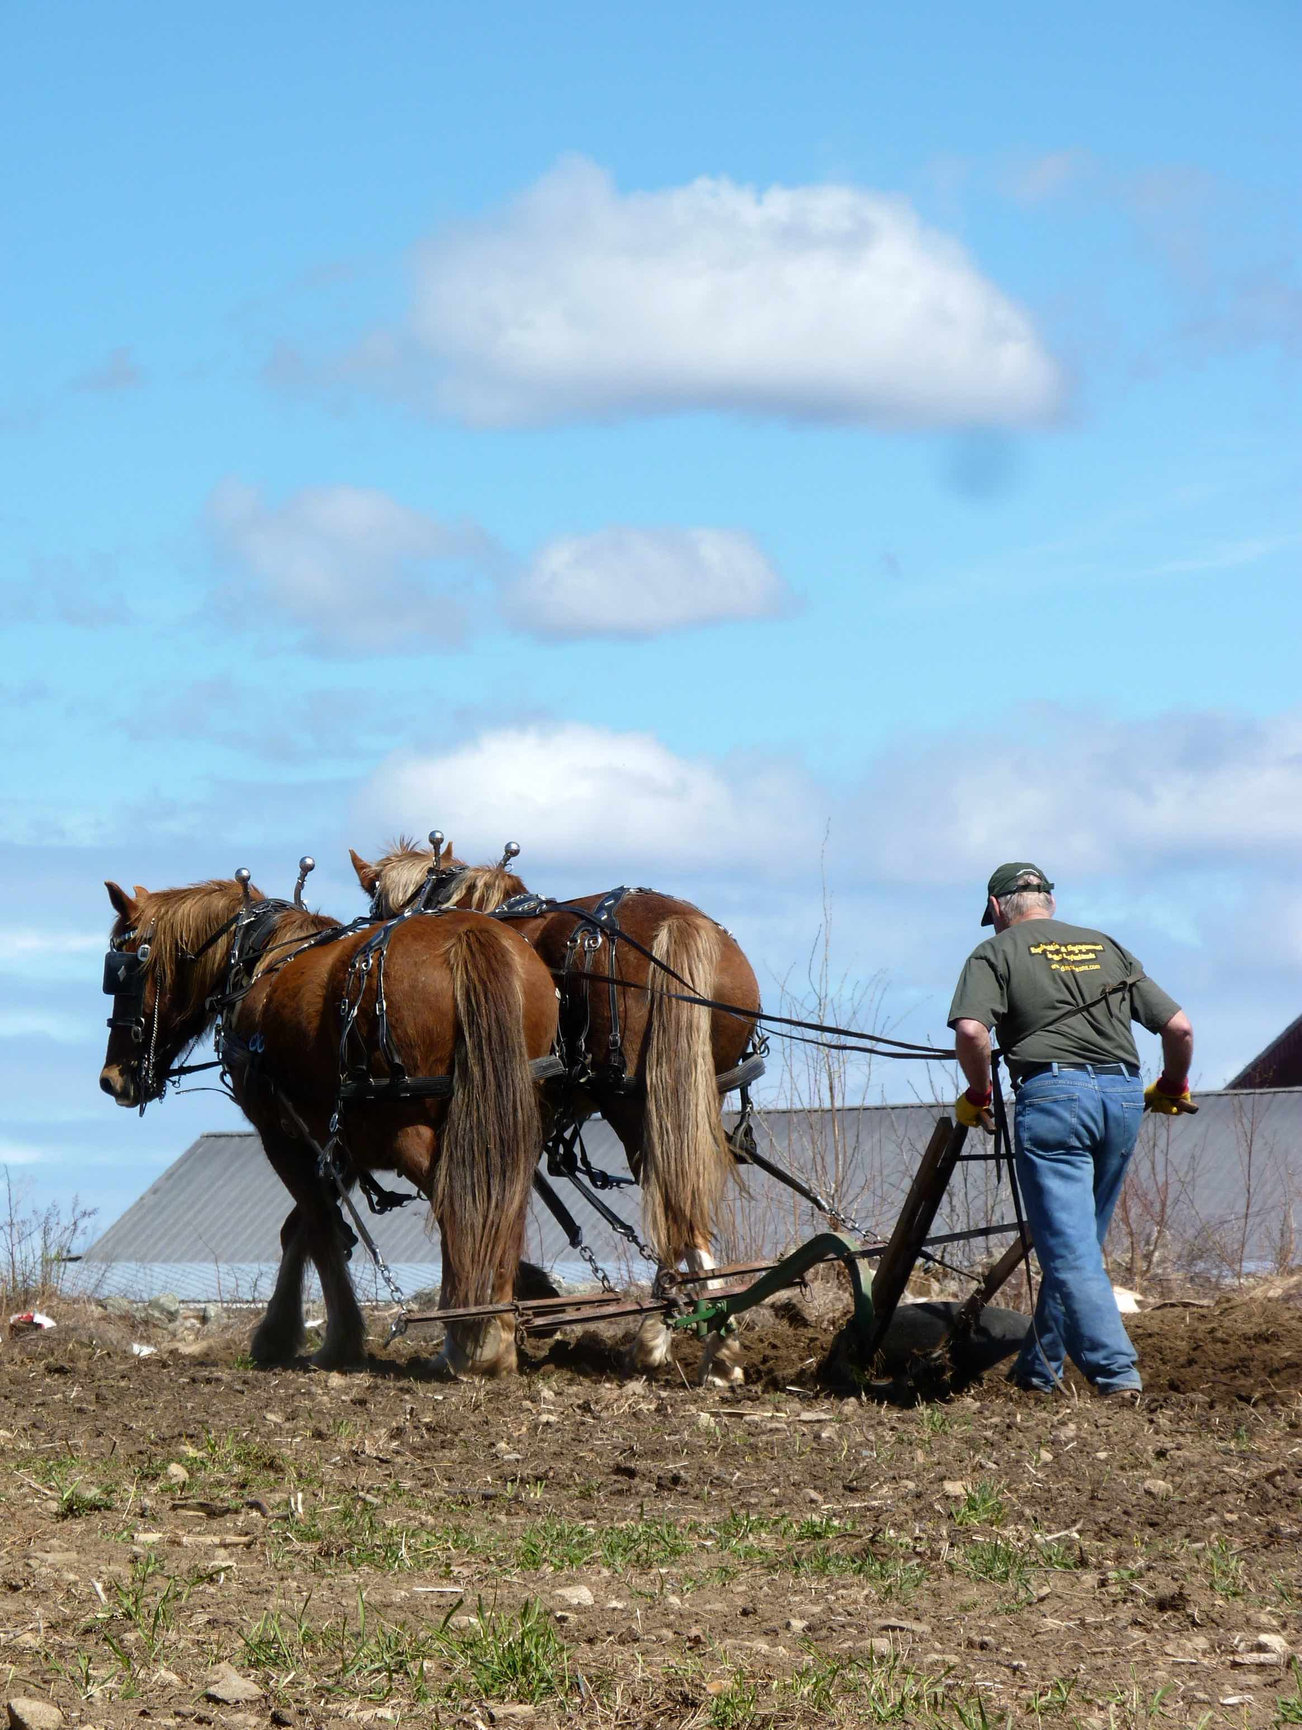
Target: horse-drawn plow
point(710, 1302)
point(459, 1034)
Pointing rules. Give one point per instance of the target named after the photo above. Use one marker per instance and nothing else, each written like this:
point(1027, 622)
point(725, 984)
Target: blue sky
point(713, 446)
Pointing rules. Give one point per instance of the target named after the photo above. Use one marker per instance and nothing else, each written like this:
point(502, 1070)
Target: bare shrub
point(1187, 1215)
point(34, 1246)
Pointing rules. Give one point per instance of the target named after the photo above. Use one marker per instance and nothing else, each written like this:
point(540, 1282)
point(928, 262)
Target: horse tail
point(492, 1135)
point(685, 1159)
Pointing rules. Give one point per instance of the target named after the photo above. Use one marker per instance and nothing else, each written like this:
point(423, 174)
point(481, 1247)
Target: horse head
point(408, 877)
point(166, 958)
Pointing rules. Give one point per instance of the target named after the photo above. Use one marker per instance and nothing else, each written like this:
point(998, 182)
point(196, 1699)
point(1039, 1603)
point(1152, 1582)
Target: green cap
point(1003, 881)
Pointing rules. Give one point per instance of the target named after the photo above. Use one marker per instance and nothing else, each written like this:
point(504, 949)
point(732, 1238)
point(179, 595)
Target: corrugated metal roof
point(1227, 1177)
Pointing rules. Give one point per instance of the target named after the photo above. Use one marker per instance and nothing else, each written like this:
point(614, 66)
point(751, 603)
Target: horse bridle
point(124, 982)
point(429, 895)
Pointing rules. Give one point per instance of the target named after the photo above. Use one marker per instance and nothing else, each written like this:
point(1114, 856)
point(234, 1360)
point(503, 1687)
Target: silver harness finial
point(306, 865)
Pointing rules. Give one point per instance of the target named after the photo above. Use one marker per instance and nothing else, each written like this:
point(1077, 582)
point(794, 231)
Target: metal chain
point(604, 1279)
point(330, 1168)
point(642, 1249)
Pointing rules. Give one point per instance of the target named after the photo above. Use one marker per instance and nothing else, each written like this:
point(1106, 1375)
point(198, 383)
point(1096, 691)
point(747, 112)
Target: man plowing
point(1061, 998)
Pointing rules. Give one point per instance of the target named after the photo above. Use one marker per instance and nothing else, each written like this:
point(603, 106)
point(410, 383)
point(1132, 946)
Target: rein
point(600, 921)
point(607, 924)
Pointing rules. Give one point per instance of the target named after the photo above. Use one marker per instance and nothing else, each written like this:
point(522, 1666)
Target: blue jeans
point(1075, 1132)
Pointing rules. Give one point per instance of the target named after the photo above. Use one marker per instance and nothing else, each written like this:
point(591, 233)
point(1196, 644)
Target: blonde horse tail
point(492, 1136)
point(685, 1159)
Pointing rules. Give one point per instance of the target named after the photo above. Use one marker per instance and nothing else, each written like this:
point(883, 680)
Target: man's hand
point(972, 1110)
point(1169, 1098)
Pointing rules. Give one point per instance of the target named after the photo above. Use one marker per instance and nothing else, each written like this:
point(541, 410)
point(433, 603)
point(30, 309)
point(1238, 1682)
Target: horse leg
point(721, 1363)
point(485, 1347)
point(280, 1335)
point(490, 1141)
point(651, 1347)
point(322, 1236)
point(344, 1345)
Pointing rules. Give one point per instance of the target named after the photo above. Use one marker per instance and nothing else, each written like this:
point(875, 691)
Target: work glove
point(1168, 1098)
point(972, 1110)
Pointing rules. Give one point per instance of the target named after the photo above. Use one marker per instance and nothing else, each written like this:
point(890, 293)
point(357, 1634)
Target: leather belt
point(1024, 1072)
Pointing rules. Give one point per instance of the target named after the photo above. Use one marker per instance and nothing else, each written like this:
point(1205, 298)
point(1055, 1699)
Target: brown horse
point(652, 1059)
point(465, 998)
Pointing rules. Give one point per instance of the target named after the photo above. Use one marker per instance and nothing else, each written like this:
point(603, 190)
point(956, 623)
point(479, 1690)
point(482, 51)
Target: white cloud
point(575, 794)
point(1051, 175)
point(1228, 555)
point(45, 1024)
point(29, 951)
point(1085, 793)
point(629, 582)
point(19, 1153)
point(828, 302)
point(360, 573)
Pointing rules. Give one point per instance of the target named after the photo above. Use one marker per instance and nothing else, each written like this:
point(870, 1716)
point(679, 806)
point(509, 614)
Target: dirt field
point(568, 1548)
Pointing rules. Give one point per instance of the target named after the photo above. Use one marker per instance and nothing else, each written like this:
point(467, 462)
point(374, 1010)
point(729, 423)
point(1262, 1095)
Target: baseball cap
point(1004, 879)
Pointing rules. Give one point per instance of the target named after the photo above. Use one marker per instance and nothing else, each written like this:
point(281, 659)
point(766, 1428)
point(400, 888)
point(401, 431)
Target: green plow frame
point(715, 1314)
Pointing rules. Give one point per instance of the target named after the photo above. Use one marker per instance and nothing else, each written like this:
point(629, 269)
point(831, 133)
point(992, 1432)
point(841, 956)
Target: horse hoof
point(721, 1366)
point(338, 1358)
point(649, 1349)
point(267, 1351)
point(459, 1368)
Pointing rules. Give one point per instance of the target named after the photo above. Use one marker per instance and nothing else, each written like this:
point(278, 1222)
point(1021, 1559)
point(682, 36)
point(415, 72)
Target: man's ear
point(125, 906)
point(367, 875)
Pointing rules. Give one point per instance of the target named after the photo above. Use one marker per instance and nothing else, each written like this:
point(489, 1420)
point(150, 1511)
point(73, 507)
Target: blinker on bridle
point(124, 982)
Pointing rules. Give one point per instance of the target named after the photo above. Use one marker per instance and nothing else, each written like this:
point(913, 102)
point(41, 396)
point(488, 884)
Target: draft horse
point(460, 996)
point(647, 1061)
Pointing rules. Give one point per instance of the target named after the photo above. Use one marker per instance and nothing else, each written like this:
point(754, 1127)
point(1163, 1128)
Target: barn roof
point(1278, 1065)
point(1225, 1180)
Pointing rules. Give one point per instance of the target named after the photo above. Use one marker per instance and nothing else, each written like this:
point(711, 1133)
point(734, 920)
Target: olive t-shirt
point(1019, 981)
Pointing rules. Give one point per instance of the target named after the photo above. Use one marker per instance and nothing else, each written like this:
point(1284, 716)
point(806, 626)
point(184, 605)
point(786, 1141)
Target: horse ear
point(141, 891)
point(367, 875)
point(123, 904)
point(446, 858)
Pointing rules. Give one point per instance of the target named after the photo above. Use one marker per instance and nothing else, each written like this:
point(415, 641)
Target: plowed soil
point(571, 1547)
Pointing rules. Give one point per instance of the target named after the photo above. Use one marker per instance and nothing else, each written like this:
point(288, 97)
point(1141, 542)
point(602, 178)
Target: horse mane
point(177, 923)
point(481, 888)
point(403, 869)
point(294, 925)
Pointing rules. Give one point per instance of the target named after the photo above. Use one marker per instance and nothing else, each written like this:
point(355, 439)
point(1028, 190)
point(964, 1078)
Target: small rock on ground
point(576, 1597)
point(26, 1714)
point(229, 1688)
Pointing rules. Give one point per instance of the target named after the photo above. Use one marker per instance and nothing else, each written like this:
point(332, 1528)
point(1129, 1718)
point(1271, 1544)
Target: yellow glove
point(1168, 1098)
point(974, 1113)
